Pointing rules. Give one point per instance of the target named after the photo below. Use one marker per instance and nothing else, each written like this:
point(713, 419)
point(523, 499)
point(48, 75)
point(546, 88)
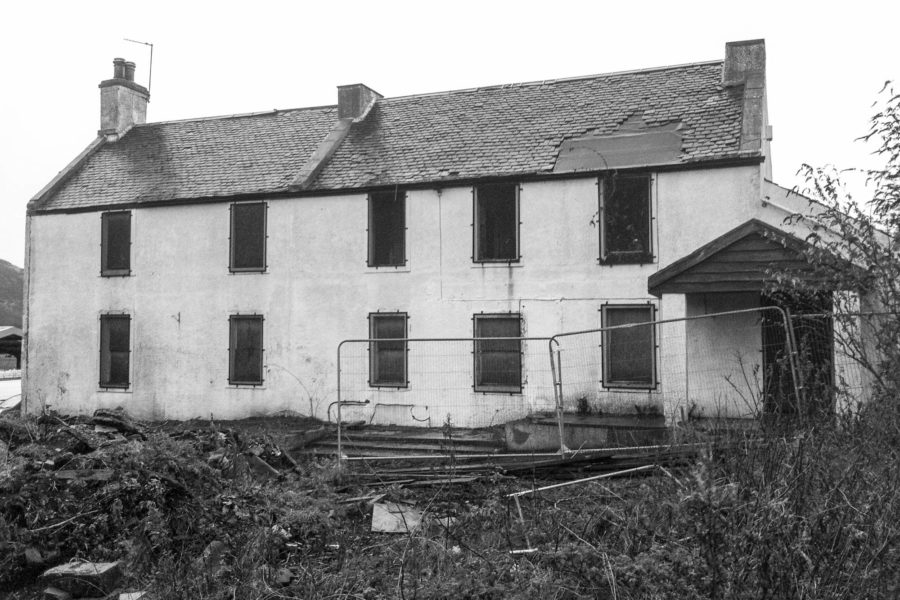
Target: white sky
point(825, 65)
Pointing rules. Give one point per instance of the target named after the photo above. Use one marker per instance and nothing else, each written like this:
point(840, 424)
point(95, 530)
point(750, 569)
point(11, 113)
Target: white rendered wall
point(318, 291)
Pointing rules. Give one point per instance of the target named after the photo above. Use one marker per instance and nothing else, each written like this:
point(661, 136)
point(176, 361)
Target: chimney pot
point(118, 68)
point(129, 70)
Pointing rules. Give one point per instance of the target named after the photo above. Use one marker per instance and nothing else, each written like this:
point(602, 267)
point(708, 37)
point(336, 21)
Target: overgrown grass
point(811, 513)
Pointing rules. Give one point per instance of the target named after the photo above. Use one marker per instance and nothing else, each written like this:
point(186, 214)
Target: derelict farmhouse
point(214, 266)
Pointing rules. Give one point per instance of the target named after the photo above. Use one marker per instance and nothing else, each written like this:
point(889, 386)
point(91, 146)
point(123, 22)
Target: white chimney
point(123, 103)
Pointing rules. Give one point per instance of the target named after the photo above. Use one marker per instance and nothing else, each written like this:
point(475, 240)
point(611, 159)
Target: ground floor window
point(387, 359)
point(245, 352)
point(498, 363)
point(629, 348)
point(115, 351)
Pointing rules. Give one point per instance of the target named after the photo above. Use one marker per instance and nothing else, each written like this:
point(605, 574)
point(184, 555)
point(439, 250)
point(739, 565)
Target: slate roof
point(495, 131)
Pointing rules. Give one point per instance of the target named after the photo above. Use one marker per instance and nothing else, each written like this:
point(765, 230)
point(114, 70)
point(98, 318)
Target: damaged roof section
point(673, 115)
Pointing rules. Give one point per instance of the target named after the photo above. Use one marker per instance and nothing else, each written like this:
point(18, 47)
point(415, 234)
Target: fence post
point(556, 373)
point(340, 451)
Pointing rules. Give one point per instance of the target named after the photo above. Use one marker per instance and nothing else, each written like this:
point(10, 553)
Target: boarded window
point(496, 223)
point(387, 229)
point(248, 237)
point(246, 350)
point(115, 244)
point(625, 220)
point(387, 360)
point(498, 363)
point(115, 351)
point(629, 353)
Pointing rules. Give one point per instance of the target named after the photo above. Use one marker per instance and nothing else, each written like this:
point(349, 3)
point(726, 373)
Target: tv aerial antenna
point(150, 73)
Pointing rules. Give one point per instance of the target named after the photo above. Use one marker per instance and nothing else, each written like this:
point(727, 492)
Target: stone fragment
point(33, 556)
point(283, 576)
point(212, 558)
point(84, 578)
point(53, 593)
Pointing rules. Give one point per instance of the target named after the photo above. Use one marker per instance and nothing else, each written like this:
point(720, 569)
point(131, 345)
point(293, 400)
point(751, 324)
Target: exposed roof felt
point(503, 130)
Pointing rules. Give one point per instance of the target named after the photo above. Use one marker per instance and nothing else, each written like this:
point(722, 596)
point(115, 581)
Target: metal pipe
point(586, 479)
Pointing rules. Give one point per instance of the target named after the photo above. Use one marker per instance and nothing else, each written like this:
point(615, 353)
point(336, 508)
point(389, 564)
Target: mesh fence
point(834, 354)
point(736, 364)
point(731, 364)
point(458, 382)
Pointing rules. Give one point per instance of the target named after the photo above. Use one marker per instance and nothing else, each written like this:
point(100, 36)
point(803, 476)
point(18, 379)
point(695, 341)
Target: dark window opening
point(246, 350)
point(629, 353)
point(625, 220)
point(498, 363)
point(115, 350)
point(115, 246)
point(387, 360)
point(387, 229)
point(496, 223)
point(248, 237)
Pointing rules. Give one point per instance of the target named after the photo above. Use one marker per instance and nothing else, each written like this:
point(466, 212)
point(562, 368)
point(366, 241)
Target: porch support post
point(674, 356)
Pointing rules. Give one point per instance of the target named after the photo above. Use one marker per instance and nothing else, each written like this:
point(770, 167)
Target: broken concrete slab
point(82, 579)
point(391, 517)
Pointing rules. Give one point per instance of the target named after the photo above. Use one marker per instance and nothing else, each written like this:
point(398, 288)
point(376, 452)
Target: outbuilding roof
point(506, 130)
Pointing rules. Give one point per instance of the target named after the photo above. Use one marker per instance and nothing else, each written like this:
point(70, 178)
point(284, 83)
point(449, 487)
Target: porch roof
point(741, 260)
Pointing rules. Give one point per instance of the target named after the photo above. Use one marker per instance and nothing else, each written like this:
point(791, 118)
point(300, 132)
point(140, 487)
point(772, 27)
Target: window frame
point(106, 352)
point(374, 351)
point(476, 224)
point(620, 257)
point(489, 388)
point(232, 242)
point(371, 240)
point(606, 381)
point(106, 218)
point(232, 350)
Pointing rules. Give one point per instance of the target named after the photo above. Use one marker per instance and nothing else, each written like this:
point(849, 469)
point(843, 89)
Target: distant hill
point(11, 281)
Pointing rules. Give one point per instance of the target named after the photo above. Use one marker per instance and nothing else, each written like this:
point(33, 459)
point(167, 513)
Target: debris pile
point(90, 504)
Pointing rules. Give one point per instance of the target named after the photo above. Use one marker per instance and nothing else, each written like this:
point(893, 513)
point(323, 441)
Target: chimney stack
point(354, 101)
point(123, 103)
point(744, 61)
point(745, 65)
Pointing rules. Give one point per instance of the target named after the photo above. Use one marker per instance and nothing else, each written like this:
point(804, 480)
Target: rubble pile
point(115, 496)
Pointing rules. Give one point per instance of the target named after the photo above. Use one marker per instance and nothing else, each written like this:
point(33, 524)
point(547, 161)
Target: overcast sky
point(825, 66)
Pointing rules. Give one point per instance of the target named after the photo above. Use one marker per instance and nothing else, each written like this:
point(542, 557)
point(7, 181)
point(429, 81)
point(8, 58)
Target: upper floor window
point(387, 229)
point(387, 359)
point(625, 219)
point(115, 243)
point(115, 351)
point(245, 350)
point(248, 237)
point(498, 363)
point(496, 219)
point(629, 347)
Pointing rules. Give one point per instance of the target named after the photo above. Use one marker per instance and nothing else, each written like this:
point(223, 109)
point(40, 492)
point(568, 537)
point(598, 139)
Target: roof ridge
point(552, 81)
point(261, 113)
